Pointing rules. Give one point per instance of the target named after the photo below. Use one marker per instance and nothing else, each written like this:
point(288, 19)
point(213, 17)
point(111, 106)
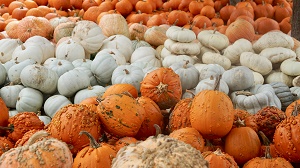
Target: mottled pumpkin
point(163, 86)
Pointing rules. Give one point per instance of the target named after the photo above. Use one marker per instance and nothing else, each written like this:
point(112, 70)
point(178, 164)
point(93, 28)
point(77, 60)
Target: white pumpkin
point(164, 53)
point(128, 74)
point(70, 50)
point(171, 59)
point(233, 51)
point(211, 70)
point(238, 78)
point(60, 66)
point(213, 39)
point(188, 74)
point(296, 91)
point(216, 58)
point(54, 103)
point(82, 63)
point(180, 34)
point(145, 66)
point(72, 81)
point(203, 50)
point(180, 48)
point(118, 56)
point(28, 51)
point(121, 43)
point(146, 54)
point(93, 80)
point(256, 62)
point(29, 99)
point(209, 84)
point(188, 94)
point(296, 81)
point(12, 112)
point(48, 48)
point(9, 64)
point(14, 72)
point(199, 66)
point(273, 39)
point(254, 99)
point(277, 54)
point(3, 74)
point(45, 119)
point(278, 76)
point(139, 43)
point(90, 91)
point(10, 94)
point(39, 77)
point(258, 78)
point(290, 67)
point(7, 47)
point(58, 20)
point(89, 35)
point(103, 67)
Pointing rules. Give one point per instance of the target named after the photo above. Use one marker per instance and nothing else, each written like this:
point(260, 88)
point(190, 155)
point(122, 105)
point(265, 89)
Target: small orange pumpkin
point(121, 88)
point(217, 159)
point(5, 145)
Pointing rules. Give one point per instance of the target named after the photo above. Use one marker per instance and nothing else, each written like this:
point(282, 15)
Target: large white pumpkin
point(256, 62)
point(118, 56)
point(10, 94)
point(180, 34)
point(54, 103)
point(290, 67)
point(146, 54)
point(28, 51)
point(60, 66)
point(14, 71)
point(48, 48)
point(90, 91)
point(238, 78)
point(70, 50)
point(29, 99)
point(7, 47)
point(211, 70)
point(3, 74)
point(213, 39)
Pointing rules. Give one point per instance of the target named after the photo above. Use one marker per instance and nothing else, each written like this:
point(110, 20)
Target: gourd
point(82, 62)
point(10, 94)
point(234, 76)
point(290, 67)
point(14, 71)
point(146, 54)
point(213, 38)
point(54, 103)
point(188, 74)
point(71, 82)
point(208, 84)
point(60, 66)
point(255, 98)
point(258, 78)
point(29, 99)
point(180, 34)
point(171, 59)
point(180, 48)
point(93, 79)
point(48, 48)
point(216, 58)
point(256, 62)
point(3, 74)
point(118, 56)
point(107, 24)
point(278, 76)
point(128, 74)
point(278, 54)
point(284, 94)
point(209, 70)
point(296, 81)
point(7, 47)
point(70, 50)
point(90, 91)
point(28, 51)
point(39, 77)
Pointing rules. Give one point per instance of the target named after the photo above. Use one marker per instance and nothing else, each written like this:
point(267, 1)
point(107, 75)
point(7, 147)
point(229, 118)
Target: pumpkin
point(48, 48)
point(190, 136)
point(107, 24)
point(114, 52)
point(5, 145)
point(163, 86)
point(45, 153)
point(216, 58)
point(255, 98)
point(209, 70)
point(294, 106)
point(90, 91)
point(213, 38)
point(284, 94)
point(218, 159)
point(290, 66)
point(92, 78)
point(234, 75)
point(60, 66)
point(112, 110)
point(86, 157)
point(24, 140)
point(28, 51)
point(208, 84)
point(69, 121)
point(9, 94)
point(155, 35)
point(54, 103)
point(278, 54)
point(14, 71)
point(125, 141)
point(82, 63)
point(146, 54)
point(171, 59)
point(296, 81)
point(140, 43)
point(180, 34)
point(4, 114)
point(256, 62)
point(285, 138)
point(7, 47)
point(3, 74)
point(243, 144)
point(63, 30)
point(212, 113)
point(240, 29)
point(121, 88)
point(29, 99)
point(180, 48)
point(137, 31)
point(70, 50)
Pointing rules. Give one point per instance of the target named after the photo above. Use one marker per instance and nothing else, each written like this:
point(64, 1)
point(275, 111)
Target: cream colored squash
point(146, 54)
point(211, 70)
point(256, 62)
point(118, 56)
point(28, 51)
point(296, 81)
point(93, 79)
point(7, 47)
point(54, 103)
point(216, 58)
point(234, 50)
point(213, 38)
point(88, 92)
point(82, 63)
point(180, 48)
point(277, 54)
point(137, 31)
point(291, 67)
point(10, 94)
point(60, 66)
point(40, 78)
point(238, 78)
point(258, 78)
point(155, 36)
point(58, 20)
point(180, 34)
point(164, 53)
point(29, 99)
point(139, 43)
point(70, 50)
point(278, 76)
point(171, 59)
point(48, 48)
point(209, 83)
point(273, 39)
point(14, 72)
point(296, 91)
point(145, 66)
point(89, 35)
point(254, 99)
point(108, 25)
point(121, 43)
point(3, 74)
point(9, 64)
point(204, 49)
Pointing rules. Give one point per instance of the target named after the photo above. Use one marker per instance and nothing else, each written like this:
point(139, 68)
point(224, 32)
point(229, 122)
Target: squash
point(14, 71)
point(90, 91)
point(256, 62)
point(10, 94)
point(114, 52)
point(82, 63)
point(70, 50)
point(213, 39)
point(29, 99)
point(278, 76)
point(180, 34)
point(54, 103)
point(216, 58)
point(48, 47)
point(208, 84)
point(284, 94)
point(277, 54)
point(209, 70)
point(290, 67)
point(234, 76)
point(171, 59)
point(146, 54)
point(60, 66)
point(180, 48)
point(7, 47)
point(107, 24)
point(93, 79)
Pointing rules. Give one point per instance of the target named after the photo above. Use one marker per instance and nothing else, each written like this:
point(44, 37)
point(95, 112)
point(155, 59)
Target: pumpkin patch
point(110, 83)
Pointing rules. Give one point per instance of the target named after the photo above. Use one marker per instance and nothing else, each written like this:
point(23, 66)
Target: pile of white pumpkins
point(38, 75)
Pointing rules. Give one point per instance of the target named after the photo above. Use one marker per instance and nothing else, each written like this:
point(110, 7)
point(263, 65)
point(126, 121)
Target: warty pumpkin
point(4, 114)
point(5, 145)
point(217, 159)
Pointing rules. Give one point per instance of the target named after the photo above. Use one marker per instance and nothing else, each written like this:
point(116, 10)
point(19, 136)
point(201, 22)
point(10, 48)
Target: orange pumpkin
point(195, 7)
point(240, 29)
point(178, 17)
point(5, 145)
point(125, 141)
point(4, 114)
point(217, 159)
point(212, 113)
point(226, 11)
point(294, 106)
point(121, 88)
point(163, 86)
point(260, 25)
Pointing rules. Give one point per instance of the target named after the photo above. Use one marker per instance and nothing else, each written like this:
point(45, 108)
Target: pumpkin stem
point(192, 25)
point(246, 93)
point(189, 91)
point(10, 128)
point(295, 110)
point(217, 82)
point(93, 143)
point(268, 153)
point(240, 123)
point(218, 152)
point(265, 139)
point(157, 129)
point(175, 23)
point(23, 47)
point(37, 136)
point(186, 63)
point(126, 71)
point(161, 88)
point(216, 50)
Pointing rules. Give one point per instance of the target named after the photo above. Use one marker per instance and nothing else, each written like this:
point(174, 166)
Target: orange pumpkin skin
point(121, 115)
point(217, 159)
point(277, 162)
point(190, 136)
point(70, 120)
point(290, 108)
point(4, 115)
point(125, 141)
point(163, 86)
point(26, 136)
point(121, 88)
point(152, 116)
point(240, 29)
point(287, 138)
point(5, 145)
point(180, 115)
point(212, 114)
point(243, 144)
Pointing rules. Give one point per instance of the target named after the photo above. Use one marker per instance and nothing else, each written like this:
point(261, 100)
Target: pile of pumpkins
point(86, 92)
